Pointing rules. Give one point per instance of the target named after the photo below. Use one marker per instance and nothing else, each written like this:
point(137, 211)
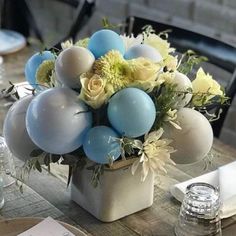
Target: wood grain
point(29, 204)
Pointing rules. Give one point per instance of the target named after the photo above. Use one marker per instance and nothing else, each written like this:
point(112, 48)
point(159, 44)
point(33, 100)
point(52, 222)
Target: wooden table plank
point(30, 204)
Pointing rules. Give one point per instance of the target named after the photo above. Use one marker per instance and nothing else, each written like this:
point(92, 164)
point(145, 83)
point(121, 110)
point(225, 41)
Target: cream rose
point(144, 73)
point(204, 83)
point(93, 90)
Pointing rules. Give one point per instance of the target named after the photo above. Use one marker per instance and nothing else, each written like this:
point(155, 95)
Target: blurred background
point(213, 18)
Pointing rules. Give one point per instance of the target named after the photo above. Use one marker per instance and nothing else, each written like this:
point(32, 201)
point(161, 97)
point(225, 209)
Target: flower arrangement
point(111, 98)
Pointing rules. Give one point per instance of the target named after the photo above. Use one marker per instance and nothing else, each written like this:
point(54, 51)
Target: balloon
point(71, 63)
point(131, 112)
point(100, 144)
point(183, 83)
point(14, 130)
point(194, 140)
point(105, 40)
point(143, 50)
point(33, 63)
point(54, 123)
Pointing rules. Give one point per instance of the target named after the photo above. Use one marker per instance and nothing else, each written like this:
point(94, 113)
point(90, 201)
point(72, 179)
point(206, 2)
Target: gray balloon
point(14, 130)
point(71, 63)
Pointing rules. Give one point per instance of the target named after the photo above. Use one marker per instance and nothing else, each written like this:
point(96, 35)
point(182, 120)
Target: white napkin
point(224, 178)
point(47, 227)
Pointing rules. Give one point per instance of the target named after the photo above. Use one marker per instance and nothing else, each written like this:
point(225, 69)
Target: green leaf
point(38, 166)
point(21, 188)
point(69, 175)
point(16, 94)
point(10, 89)
point(55, 158)
point(36, 152)
point(91, 167)
point(189, 60)
point(98, 170)
point(47, 159)
point(69, 160)
point(81, 163)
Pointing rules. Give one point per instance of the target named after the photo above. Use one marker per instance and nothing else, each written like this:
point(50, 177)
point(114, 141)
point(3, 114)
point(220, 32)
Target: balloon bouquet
point(113, 97)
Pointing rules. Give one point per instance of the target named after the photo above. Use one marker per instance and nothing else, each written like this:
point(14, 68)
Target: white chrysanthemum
point(66, 44)
point(130, 41)
point(155, 154)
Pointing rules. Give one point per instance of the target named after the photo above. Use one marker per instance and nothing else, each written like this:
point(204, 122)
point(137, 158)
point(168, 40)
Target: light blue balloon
point(100, 143)
point(131, 112)
point(143, 50)
point(33, 63)
point(105, 40)
point(57, 120)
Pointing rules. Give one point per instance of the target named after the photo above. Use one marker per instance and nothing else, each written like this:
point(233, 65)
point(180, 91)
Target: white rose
point(93, 90)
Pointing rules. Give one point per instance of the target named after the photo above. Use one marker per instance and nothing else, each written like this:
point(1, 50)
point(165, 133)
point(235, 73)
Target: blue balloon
point(57, 120)
point(143, 50)
point(100, 144)
point(33, 63)
point(105, 40)
point(131, 112)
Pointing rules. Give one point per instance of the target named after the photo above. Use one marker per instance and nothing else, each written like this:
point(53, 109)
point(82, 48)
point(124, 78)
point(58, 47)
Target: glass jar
point(7, 166)
point(1, 191)
point(199, 213)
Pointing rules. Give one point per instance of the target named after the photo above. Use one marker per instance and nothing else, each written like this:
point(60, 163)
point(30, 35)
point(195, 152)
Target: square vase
point(118, 194)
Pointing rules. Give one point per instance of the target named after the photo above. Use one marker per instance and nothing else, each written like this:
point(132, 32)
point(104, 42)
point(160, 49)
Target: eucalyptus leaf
point(55, 158)
point(36, 152)
point(47, 159)
point(38, 166)
point(69, 175)
point(21, 189)
point(69, 160)
point(10, 89)
point(16, 95)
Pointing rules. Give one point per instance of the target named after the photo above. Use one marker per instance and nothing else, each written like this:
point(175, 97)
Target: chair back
point(17, 15)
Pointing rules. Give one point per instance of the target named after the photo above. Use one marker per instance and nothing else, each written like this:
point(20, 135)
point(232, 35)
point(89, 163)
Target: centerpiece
point(117, 109)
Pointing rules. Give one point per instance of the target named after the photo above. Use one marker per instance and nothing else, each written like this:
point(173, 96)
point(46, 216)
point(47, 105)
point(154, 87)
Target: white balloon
point(183, 84)
point(71, 63)
point(195, 139)
point(14, 130)
point(143, 50)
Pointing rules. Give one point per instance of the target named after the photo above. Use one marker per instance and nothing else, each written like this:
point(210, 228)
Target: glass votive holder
point(199, 213)
point(7, 166)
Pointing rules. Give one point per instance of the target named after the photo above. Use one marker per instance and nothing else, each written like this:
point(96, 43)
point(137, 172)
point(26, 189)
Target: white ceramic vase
point(118, 194)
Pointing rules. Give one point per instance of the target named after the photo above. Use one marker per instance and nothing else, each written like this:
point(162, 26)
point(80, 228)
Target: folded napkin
point(224, 178)
point(47, 227)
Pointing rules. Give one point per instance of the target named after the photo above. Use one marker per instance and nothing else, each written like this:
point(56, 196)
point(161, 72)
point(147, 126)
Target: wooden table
point(158, 220)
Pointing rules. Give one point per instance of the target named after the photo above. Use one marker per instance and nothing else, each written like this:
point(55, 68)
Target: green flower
point(113, 68)
point(82, 43)
point(44, 73)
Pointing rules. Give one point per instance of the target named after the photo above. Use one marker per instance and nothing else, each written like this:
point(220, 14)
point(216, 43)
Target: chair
point(218, 53)
point(16, 15)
